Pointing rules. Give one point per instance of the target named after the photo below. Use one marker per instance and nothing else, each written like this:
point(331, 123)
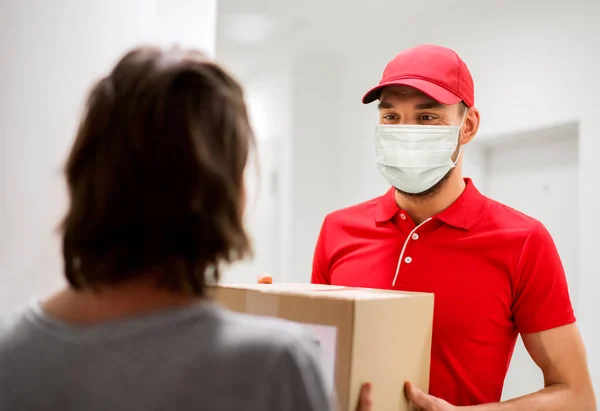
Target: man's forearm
point(557, 397)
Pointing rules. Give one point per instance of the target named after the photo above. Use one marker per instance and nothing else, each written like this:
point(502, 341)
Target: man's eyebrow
point(385, 105)
point(429, 105)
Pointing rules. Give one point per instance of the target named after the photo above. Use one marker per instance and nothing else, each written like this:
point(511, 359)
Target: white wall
point(186, 23)
point(269, 188)
point(52, 52)
point(316, 149)
point(294, 100)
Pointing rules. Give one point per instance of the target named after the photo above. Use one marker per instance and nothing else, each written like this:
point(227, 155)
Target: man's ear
point(471, 126)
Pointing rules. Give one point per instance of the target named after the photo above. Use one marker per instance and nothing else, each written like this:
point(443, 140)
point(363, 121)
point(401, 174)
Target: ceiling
point(249, 31)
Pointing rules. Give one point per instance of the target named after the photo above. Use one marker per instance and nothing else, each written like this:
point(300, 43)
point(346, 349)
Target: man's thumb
point(418, 397)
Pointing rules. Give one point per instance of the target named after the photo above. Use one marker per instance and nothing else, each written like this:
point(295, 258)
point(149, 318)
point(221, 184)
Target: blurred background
point(305, 66)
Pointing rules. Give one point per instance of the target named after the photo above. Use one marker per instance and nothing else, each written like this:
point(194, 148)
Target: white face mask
point(414, 158)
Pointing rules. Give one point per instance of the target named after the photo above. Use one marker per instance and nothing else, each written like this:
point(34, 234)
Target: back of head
point(155, 176)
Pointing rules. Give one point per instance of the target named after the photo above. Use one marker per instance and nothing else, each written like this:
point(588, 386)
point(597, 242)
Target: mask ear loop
point(462, 123)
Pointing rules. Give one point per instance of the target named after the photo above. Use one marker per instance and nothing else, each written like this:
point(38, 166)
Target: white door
point(537, 175)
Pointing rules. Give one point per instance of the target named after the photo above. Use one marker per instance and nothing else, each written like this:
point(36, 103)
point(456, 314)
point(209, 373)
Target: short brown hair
point(155, 175)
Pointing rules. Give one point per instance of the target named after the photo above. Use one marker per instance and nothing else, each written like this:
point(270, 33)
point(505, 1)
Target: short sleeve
point(298, 382)
point(320, 268)
point(542, 300)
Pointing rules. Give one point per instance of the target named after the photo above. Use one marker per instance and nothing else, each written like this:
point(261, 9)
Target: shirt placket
point(406, 257)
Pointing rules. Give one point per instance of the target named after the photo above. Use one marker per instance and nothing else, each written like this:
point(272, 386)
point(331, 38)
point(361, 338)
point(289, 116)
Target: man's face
point(405, 105)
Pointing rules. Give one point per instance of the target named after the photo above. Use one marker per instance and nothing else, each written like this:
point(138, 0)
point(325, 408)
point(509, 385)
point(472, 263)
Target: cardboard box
point(366, 335)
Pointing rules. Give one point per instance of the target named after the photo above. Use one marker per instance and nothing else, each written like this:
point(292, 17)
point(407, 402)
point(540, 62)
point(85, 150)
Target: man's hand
point(425, 402)
point(418, 400)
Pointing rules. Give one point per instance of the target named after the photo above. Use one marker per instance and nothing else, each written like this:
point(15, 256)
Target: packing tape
point(259, 303)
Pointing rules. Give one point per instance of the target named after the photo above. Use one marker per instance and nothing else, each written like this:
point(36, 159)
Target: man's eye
point(427, 118)
point(389, 117)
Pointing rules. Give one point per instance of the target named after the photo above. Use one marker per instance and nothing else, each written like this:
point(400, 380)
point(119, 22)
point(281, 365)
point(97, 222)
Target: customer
point(156, 191)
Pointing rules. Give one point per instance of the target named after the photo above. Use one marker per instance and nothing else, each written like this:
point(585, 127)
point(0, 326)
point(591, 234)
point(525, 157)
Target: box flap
point(323, 291)
point(283, 287)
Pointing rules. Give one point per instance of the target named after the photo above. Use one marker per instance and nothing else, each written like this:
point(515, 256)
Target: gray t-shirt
point(201, 357)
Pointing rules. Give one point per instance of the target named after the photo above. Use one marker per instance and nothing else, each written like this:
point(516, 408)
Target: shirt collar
point(386, 207)
point(463, 213)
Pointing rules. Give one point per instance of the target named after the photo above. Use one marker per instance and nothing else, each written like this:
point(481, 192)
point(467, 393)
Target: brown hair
point(155, 175)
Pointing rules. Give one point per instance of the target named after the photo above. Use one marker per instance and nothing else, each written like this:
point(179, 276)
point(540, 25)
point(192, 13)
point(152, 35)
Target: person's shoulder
point(14, 330)
point(514, 226)
point(504, 216)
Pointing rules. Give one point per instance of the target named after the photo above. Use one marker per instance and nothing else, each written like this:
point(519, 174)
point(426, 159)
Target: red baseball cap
point(434, 70)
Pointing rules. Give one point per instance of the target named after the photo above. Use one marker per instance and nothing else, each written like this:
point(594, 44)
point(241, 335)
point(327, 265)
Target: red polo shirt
point(494, 271)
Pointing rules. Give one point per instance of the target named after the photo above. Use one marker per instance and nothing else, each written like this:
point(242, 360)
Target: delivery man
point(495, 272)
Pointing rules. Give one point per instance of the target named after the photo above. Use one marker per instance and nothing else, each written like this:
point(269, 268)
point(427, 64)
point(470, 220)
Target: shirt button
point(415, 236)
point(408, 260)
point(403, 216)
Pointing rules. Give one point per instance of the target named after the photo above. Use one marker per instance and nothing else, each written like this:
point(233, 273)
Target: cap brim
point(438, 93)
